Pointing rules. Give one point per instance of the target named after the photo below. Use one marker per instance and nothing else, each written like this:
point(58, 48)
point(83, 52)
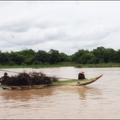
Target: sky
point(66, 26)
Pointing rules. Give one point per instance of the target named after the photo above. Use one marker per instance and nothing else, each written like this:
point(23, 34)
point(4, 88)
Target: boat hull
point(65, 82)
point(5, 87)
point(78, 82)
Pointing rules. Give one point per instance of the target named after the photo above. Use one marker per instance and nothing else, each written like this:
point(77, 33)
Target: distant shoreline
point(102, 65)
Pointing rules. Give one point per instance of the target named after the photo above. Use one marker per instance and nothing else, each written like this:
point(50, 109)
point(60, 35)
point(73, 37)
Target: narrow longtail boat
point(72, 82)
point(77, 82)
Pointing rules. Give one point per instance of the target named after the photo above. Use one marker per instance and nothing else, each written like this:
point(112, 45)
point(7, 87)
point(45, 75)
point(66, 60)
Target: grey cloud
point(25, 25)
point(96, 34)
point(41, 40)
point(56, 36)
point(72, 25)
point(14, 26)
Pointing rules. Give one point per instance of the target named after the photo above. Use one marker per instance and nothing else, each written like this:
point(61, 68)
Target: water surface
point(97, 100)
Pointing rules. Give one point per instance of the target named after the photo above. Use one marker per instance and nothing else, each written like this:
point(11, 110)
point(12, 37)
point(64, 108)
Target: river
point(100, 99)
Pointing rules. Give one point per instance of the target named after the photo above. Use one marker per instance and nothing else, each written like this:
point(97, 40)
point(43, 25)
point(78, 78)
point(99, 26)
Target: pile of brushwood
point(28, 79)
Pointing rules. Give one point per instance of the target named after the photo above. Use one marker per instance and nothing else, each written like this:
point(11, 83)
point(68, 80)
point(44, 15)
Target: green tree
point(118, 56)
point(99, 53)
point(16, 58)
point(28, 55)
point(109, 55)
point(54, 56)
point(88, 58)
point(63, 57)
point(4, 58)
point(78, 55)
point(42, 57)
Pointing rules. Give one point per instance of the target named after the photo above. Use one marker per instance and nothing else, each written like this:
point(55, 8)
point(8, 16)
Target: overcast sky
point(66, 26)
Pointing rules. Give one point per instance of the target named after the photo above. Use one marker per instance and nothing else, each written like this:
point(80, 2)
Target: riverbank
point(64, 64)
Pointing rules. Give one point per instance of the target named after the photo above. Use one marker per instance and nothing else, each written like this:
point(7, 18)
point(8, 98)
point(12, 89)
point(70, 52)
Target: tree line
point(30, 57)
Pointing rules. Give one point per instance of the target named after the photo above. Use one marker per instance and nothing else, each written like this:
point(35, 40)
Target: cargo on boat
point(24, 81)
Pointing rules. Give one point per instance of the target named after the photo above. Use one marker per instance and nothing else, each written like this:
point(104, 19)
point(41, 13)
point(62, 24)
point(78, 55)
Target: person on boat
point(81, 75)
point(5, 77)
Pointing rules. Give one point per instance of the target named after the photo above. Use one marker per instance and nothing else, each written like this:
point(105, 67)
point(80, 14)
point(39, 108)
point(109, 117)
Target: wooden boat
point(77, 82)
point(6, 87)
point(72, 82)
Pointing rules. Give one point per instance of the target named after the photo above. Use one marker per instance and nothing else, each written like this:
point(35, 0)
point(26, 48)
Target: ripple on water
point(97, 100)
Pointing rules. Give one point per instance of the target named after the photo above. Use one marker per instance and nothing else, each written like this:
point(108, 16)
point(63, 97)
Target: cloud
point(66, 26)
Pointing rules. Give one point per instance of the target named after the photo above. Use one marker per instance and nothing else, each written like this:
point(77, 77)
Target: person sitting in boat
point(81, 75)
point(5, 77)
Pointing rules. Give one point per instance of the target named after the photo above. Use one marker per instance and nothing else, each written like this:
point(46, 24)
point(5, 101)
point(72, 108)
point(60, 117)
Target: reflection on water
point(97, 100)
point(48, 100)
point(25, 95)
point(82, 91)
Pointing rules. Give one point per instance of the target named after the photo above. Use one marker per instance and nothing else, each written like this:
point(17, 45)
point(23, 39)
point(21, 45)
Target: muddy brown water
point(100, 99)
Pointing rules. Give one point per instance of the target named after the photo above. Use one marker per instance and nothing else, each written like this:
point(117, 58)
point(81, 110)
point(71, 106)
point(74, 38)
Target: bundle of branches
point(28, 79)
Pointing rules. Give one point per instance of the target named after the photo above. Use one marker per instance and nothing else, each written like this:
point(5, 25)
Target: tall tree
point(28, 55)
point(4, 58)
point(55, 57)
point(16, 58)
point(42, 57)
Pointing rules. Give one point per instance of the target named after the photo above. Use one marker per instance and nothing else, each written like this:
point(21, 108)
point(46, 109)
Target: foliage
point(28, 57)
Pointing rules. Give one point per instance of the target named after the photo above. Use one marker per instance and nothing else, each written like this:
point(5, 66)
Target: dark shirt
point(4, 79)
point(81, 76)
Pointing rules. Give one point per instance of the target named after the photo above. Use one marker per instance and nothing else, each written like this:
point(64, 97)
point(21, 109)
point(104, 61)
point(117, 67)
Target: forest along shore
point(99, 57)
